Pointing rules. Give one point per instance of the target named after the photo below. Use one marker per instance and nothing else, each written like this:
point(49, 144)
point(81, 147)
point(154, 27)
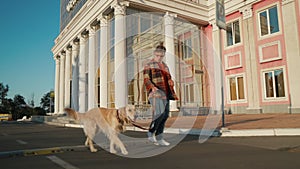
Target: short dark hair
point(160, 48)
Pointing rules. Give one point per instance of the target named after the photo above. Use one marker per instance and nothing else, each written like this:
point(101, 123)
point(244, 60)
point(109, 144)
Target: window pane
point(237, 37)
point(273, 16)
point(279, 83)
point(229, 34)
point(189, 48)
point(263, 23)
point(269, 84)
point(241, 87)
point(145, 22)
point(186, 94)
point(191, 92)
point(232, 85)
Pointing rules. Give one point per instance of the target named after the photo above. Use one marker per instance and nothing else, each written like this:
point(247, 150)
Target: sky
point(28, 30)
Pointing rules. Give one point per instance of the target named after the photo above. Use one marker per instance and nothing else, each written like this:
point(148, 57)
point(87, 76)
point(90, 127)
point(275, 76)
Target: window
point(189, 93)
point(233, 33)
point(236, 89)
point(186, 50)
point(274, 84)
point(269, 21)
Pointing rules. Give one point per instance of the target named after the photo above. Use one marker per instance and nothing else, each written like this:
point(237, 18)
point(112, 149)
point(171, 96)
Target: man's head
point(159, 52)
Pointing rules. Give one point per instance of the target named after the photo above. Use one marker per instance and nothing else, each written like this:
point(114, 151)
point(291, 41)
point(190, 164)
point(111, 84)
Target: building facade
point(103, 46)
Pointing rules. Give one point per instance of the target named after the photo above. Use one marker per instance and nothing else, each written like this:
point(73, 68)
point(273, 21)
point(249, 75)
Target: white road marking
point(61, 162)
point(21, 142)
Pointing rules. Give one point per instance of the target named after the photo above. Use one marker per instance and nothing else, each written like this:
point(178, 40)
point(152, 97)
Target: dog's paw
point(125, 152)
point(113, 151)
point(94, 150)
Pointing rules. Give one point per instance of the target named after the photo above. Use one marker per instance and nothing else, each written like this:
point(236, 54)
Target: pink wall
point(232, 59)
point(270, 38)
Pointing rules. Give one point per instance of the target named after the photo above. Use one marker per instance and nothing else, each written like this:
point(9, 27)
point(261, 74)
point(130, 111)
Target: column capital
point(68, 48)
point(120, 7)
point(92, 30)
point(103, 20)
point(82, 38)
point(170, 18)
point(284, 2)
point(74, 45)
point(214, 25)
point(246, 11)
point(57, 59)
point(62, 55)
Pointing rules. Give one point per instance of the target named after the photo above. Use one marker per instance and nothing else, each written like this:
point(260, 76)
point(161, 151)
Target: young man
point(160, 88)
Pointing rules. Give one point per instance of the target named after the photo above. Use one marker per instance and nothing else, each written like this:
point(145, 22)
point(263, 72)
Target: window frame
point(236, 76)
point(266, 9)
point(233, 37)
point(265, 98)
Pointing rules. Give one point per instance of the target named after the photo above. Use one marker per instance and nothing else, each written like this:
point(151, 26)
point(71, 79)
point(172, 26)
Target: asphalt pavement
point(34, 145)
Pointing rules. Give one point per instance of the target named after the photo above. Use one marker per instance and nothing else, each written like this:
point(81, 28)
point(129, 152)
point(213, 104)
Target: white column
point(252, 75)
point(75, 74)
point(103, 61)
point(170, 53)
point(56, 90)
point(92, 70)
point(292, 53)
point(120, 74)
point(215, 69)
point(82, 78)
point(61, 84)
point(67, 77)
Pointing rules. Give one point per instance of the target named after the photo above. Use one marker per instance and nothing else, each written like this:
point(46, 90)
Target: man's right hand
point(154, 89)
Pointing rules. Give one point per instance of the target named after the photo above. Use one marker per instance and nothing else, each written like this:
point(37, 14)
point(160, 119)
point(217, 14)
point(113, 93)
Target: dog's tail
point(72, 113)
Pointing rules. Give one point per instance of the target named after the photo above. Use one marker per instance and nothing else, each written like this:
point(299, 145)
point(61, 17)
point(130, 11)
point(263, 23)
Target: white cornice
point(231, 6)
point(191, 11)
point(93, 9)
point(89, 12)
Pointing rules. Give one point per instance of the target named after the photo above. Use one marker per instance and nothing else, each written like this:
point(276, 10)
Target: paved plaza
point(35, 145)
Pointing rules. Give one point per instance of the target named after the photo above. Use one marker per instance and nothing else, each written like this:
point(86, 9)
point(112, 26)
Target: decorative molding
point(247, 12)
point(214, 25)
point(71, 5)
point(284, 2)
point(57, 59)
point(120, 7)
point(261, 57)
point(169, 18)
point(227, 67)
point(103, 21)
point(92, 30)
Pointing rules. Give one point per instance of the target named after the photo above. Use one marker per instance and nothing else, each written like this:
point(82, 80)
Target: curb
point(42, 151)
point(213, 133)
point(261, 132)
point(224, 132)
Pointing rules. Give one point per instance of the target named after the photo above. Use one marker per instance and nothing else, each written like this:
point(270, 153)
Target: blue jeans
point(161, 114)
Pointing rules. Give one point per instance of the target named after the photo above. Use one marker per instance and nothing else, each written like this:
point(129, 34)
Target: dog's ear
point(71, 113)
point(122, 116)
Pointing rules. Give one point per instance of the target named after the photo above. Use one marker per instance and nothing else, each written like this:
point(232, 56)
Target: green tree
point(20, 107)
point(3, 100)
point(46, 101)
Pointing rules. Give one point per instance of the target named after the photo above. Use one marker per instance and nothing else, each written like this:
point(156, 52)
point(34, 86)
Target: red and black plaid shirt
point(158, 75)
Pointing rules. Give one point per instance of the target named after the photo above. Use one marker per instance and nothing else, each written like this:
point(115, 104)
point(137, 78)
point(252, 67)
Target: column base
point(294, 110)
point(173, 106)
point(254, 110)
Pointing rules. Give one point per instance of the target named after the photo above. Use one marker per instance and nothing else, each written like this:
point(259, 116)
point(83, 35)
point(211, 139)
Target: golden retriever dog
point(109, 121)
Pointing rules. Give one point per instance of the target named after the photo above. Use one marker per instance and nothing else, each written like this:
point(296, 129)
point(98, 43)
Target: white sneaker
point(151, 137)
point(163, 142)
